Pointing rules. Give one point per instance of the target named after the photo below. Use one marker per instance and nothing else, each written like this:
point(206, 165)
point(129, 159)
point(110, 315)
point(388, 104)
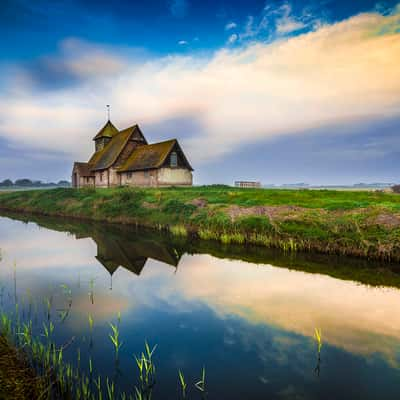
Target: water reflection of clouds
point(34, 248)
point(354, 317)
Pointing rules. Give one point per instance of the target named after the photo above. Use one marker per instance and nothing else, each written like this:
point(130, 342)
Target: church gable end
point(176, 158)
point(125, 158)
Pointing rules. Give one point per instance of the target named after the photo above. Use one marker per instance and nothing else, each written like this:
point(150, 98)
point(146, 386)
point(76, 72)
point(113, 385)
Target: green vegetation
point(318, 339)
point(359, 223)
point(32, 363)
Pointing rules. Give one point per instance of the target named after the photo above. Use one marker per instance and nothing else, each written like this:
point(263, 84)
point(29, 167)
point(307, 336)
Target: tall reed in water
point(201, 384)
point(67, 380)
point(182, 383)
point(318, 338)
point(114, 337)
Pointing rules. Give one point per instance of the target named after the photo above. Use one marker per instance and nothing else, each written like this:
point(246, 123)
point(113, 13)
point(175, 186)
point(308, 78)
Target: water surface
point(247, 315)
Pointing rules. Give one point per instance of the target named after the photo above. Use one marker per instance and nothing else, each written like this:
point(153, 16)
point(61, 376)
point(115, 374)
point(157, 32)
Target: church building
point(125, 158)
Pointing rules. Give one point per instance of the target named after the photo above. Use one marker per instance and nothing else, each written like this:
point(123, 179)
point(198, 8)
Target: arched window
point(174, 159)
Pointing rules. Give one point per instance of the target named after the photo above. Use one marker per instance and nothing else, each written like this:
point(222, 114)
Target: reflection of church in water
point(132, 252)
point(118, 246)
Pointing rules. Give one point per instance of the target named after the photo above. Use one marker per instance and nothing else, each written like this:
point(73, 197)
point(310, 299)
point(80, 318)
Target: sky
point(275, 91)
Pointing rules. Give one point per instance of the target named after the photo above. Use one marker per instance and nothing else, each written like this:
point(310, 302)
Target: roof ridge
point(164, 141)
point(129, 127)
point(108, 163)
point(149, 156)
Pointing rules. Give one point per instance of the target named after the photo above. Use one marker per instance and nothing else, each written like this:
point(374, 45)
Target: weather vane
point(108, 111)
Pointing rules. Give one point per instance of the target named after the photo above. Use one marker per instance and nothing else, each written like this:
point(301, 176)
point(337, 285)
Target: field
point(359, 223)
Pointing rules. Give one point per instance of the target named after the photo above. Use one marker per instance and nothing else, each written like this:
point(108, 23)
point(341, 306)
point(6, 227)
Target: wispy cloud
point(232, 38)
point(182, 42)
point(275, 21)
point(178, 8)
point(230, 25)
point(336, 73)
point(287, 23)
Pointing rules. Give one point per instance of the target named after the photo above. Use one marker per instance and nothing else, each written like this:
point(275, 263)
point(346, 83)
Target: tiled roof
point(136, 132)
point(149, 156)
point(108, 130)
point(145, 156)
point(106, 157)
point(83, 169)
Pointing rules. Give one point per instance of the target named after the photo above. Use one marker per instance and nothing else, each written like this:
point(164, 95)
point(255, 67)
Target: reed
point(318, 339)
point(66, 380)
point(201, 384)
point(91, 290)
point(320, 219)
point(183, 383)
point(91, 322)
point(114, 337)
point(178, 230)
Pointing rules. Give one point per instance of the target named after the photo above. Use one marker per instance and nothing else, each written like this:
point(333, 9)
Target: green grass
point(325, 220)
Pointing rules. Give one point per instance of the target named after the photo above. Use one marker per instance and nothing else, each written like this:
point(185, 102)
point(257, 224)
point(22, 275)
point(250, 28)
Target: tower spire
point(108, 112)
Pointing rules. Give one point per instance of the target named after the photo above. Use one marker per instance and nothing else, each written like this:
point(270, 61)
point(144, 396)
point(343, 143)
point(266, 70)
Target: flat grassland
point(358, 223)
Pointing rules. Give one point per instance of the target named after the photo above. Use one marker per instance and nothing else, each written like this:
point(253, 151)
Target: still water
point(247, 315)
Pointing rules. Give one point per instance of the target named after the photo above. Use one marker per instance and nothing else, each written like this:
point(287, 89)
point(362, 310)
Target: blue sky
point(278, 91)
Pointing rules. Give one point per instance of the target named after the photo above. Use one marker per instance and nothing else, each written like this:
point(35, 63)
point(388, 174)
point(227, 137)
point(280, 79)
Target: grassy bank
point(363, 224)
point(17, 378)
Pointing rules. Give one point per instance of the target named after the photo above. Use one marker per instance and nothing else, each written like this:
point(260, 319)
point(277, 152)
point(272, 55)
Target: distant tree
point(63, 183)
point(396, 188)
point(6, 183)
point(23, 182)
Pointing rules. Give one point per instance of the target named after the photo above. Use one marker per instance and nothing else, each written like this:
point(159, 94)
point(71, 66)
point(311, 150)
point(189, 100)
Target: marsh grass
point(182, 383)
point(318, 340)
point(328, 221)
point(178, 230)
point(201, 384)
point(114, 337)
point(33, 364)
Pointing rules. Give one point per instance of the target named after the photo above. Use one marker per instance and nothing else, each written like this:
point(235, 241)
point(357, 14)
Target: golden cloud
point(336, 73)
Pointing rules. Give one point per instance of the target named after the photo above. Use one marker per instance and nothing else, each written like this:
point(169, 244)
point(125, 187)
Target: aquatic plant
point(178, 230)
point(201, 384)
point(110, 389)
point(47, 302)
point(90, 319)
point(114, 337)
point(182, 383)
point(318, 338)
point(147, 372)
point(207, 234)
point(91, 290)
point(64, 379)
point(67, 292)
point(48, 330)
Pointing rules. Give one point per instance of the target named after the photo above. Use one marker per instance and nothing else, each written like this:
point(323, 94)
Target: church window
point(174, 159)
